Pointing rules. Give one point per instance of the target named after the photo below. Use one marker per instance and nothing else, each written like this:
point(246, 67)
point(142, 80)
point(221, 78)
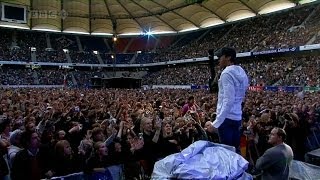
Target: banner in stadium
point(309, 47)
point(271, 88)
point(283, 88)
point(145, 87)
point(250, 88)
point(200, 87)
point(276, 88)
point(273, 51)
point(256, 88)
point(312, 89)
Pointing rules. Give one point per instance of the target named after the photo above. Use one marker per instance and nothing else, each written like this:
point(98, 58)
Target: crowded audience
point(69, 131)
point(46, 133)
point(262, 71)
point(51, 56)
point(261, 33)
point(145, 57)
point(271, 70)
point(307, 74)
point(5, 42)
point(290, 30)
point(107, 58)
point(27, 39)
point(124, 58)
point(51, 77)
point(83, 57)
point(83, 78)
point(17, 76)
point(185, 75)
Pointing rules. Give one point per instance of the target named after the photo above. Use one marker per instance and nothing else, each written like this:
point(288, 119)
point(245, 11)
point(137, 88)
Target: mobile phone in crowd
point(77, 109)
point(80, 126)
point(140, 135)
point(158, 120)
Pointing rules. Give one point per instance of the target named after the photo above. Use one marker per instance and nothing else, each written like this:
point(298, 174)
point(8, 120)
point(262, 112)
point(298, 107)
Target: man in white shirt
point(233, 84)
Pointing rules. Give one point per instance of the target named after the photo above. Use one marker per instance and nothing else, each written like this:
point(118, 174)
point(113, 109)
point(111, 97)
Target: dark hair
point(190, 98)
point(59, 147)
point(26, 138)
point(158, 103)
point(96, 131)
point(281, 133)
point(3, 124)
point(228, 52)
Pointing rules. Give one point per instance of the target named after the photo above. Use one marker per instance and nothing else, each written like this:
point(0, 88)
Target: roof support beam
point(157, 16)
point(177, 14)
point(296, 2)
point(107, 6)
point(234, 11)
point(245, 4)
point(31, 9)
point(110, 16)
point(90, 18)
point(141, 27)
point(61, 19)
point(113, 20)
point(223, 19)
point(160, 12)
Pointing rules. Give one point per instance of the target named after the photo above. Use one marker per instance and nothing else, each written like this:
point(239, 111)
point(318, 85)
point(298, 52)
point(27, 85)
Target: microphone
point(213, 83)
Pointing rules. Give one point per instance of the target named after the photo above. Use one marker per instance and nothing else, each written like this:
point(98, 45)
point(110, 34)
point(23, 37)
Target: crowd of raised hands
point(88, 130)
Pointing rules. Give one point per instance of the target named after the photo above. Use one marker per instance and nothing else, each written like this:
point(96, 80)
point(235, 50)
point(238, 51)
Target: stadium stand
point(79, 132)
point(280, 30)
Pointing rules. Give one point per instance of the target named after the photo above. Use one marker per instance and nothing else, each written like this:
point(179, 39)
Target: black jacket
point(28, 167)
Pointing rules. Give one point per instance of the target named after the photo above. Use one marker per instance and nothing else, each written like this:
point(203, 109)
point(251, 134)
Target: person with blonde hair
point(66, 162)
point(99, 159)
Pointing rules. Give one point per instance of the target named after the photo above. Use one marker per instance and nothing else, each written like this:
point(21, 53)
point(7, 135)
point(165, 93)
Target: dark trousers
point(229, 133)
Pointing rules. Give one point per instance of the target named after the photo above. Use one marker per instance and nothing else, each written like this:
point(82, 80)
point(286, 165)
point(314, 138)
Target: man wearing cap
point(233, 84)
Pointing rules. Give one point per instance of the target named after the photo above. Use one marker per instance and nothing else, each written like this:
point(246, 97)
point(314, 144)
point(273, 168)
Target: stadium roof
point(134, 17)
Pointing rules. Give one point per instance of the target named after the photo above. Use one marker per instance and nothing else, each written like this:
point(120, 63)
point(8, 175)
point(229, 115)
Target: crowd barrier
point(304, 171)
point(313, 140)
point(111, 173)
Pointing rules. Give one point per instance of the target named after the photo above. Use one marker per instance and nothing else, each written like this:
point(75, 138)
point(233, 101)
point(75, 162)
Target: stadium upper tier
point(290, 28)
point(262, 71)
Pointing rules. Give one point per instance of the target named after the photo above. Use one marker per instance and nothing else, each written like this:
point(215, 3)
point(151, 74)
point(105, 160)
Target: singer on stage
point(233, 84)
